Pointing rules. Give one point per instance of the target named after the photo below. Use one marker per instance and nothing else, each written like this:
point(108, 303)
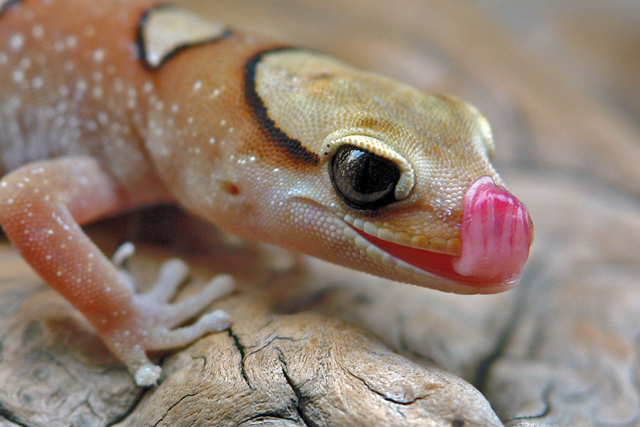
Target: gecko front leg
point(41, 207)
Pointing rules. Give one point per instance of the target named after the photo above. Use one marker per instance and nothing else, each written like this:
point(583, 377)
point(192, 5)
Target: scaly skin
point(126, 103)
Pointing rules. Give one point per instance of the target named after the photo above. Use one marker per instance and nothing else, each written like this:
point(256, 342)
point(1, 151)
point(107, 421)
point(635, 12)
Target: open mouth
point(434, 263)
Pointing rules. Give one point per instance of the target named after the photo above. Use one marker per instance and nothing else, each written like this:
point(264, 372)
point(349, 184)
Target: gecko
point(111, 105)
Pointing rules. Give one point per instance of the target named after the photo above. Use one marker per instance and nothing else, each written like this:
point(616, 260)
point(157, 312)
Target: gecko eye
point(363, 180)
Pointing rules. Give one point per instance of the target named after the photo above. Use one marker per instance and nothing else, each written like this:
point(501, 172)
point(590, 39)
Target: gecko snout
point(496, 234)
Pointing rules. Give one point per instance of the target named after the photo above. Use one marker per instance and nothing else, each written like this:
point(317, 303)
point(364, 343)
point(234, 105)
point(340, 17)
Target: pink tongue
point(496, 233)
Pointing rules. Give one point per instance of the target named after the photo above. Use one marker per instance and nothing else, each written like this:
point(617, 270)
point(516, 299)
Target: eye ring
point(362, 179)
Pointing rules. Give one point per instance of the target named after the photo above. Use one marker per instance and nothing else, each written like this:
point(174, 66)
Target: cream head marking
point(165, 30)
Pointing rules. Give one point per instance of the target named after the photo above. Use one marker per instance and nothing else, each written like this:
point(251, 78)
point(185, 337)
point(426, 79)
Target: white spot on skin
point(71, 42)
point(197, 86)
point(17, 76)
point(91, 125)
point(103, 118)
point(98, 55)
point(97, 92)
point(37, 82)
point(81, 85)
point(37, 31)
point(16, 42)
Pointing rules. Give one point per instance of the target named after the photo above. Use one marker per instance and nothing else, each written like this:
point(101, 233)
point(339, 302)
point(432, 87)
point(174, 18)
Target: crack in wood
point(242, 350)
point(301, 399)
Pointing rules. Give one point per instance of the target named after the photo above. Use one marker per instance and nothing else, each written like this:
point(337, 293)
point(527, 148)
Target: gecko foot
point(153, 323)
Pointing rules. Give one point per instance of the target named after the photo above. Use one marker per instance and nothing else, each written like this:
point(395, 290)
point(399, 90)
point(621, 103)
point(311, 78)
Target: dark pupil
point(362, 179)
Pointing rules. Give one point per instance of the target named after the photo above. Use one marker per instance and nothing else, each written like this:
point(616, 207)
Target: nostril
point(496, 233)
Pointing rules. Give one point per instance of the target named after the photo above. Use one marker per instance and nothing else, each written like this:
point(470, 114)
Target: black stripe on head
point(153, 60)
point(6, 4)
point(292, 146)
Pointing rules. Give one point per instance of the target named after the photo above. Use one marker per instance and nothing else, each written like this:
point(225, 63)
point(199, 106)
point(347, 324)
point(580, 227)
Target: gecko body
point(115, 104)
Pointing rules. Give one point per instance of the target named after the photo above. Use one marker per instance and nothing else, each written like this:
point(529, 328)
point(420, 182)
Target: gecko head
point(451, 230)
point(432, 209)
point(388, 179)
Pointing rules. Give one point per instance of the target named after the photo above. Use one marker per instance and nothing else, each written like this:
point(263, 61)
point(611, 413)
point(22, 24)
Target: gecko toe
point(171, 275)
point(182, 311)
